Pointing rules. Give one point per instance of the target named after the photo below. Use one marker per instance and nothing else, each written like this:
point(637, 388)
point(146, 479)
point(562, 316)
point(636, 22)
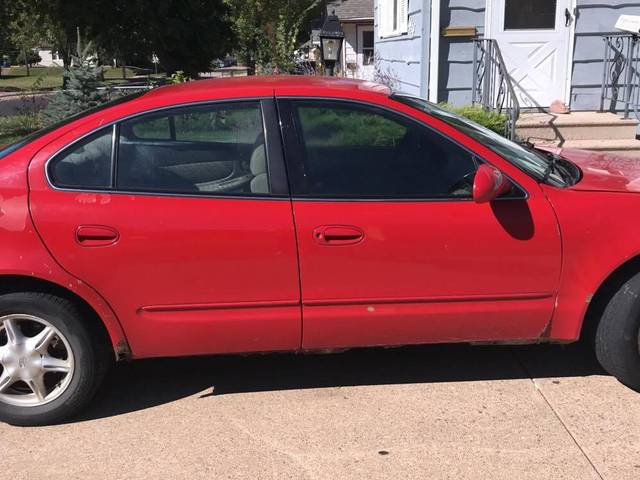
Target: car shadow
point(148, 383)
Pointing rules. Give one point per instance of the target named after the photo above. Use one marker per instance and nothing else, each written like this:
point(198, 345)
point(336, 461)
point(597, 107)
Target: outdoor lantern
point(331, 38)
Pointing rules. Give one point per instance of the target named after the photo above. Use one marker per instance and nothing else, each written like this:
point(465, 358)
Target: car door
point(392, 248)
point(180, 218)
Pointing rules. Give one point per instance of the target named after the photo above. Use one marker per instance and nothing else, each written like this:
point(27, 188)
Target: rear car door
point(392, 248)
point(180, 218)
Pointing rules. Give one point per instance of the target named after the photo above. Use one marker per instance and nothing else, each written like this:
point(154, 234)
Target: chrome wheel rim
point(36, 361)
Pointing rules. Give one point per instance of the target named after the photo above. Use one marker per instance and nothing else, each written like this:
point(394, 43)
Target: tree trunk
point(124, 70)
point(26, 61)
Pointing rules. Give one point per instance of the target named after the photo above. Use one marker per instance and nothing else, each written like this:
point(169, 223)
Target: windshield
point(530, 161)
point(39, 133)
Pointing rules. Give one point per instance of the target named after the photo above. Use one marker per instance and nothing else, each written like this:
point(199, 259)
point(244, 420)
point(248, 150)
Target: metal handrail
point(492, 85)
point(620, 78)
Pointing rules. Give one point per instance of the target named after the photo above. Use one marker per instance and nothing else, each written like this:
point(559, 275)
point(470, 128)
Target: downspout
point(433, 46)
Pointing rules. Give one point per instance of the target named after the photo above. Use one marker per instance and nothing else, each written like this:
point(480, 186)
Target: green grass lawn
point(15, 78)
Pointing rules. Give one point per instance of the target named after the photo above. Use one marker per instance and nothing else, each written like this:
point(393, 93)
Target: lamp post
point(331, 38)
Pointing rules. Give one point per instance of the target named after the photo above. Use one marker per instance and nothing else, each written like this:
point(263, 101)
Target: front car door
point(180, 220)
point(392, 248)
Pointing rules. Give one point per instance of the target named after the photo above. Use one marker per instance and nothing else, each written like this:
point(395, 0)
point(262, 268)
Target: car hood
point(603, 172)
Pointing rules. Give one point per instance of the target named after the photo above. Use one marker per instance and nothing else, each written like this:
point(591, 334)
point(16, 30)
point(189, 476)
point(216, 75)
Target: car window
point(86, 163)
point(353, 150)
point(153, 129)
point(216, 149)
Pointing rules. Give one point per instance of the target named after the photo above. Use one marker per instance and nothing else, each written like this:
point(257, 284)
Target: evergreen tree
point(82, 80)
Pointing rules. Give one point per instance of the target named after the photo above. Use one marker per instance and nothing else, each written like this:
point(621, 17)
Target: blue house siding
point(405, 58)
point(595, 17)
point(456, 54)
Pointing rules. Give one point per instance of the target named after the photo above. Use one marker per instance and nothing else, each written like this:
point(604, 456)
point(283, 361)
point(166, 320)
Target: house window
point(393, 17)
point(367, 48)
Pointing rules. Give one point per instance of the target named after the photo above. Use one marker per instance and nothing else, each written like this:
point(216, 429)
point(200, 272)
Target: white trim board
point(434, 50)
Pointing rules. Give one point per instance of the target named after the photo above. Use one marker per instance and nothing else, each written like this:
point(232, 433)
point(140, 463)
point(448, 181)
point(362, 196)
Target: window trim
point(390, 11)
point(294, 153)
point(273, 151)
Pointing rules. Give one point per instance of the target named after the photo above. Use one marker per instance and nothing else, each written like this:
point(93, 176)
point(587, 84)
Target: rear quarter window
point(86, 163)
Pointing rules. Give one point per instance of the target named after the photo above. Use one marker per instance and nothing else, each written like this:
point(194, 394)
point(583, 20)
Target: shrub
point(29, 56)
point(17, 126)
point(83, 82)
point(492, 120)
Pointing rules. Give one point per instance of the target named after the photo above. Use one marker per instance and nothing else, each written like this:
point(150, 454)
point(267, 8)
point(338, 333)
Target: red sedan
point(298, 214)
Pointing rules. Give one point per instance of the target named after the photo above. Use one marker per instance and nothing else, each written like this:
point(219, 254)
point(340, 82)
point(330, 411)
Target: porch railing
point(620, 78)
point(492, 86)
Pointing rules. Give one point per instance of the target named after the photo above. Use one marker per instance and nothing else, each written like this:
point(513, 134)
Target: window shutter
point(403, 16)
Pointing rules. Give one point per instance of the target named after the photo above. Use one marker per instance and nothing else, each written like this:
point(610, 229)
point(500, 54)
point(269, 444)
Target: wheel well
point(605, 292)
point(18, 283)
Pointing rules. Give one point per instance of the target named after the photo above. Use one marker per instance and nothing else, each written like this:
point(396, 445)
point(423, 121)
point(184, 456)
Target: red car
point(298, 214)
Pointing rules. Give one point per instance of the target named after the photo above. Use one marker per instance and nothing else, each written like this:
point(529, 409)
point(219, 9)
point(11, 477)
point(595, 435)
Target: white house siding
point(48, 60)
point(404, 58)
point(595, 17)
point(455, 62)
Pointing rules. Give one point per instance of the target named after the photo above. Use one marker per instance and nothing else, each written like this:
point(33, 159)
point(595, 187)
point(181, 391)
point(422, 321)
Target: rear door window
point(214, 149)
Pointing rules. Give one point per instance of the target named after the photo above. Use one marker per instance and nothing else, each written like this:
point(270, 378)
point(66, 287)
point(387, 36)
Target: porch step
point(626, 147)
point(559, 129)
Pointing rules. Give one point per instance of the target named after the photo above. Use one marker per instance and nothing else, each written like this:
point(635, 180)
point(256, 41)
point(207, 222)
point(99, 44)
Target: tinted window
point(533, 162)
point(85, 164)
point(213, 149)
point(352, 150)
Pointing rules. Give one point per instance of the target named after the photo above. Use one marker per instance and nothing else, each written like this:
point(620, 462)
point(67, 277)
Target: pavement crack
point(555, 412)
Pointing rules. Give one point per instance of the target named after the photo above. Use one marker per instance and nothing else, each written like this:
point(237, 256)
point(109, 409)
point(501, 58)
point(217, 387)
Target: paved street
point(13, 103)
point(541, 412)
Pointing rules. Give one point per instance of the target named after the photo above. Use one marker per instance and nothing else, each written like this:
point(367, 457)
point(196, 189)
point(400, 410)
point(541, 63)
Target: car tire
point(85, 357)
point(617, 340)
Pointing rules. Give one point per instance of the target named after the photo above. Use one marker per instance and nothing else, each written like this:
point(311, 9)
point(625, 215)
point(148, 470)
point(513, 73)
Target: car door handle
point(337, 235)
point(96, 235)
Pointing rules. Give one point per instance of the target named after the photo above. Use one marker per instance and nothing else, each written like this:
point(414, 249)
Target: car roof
point(266, 85)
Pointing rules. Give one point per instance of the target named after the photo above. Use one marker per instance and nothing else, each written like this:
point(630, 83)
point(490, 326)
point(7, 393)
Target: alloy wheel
point(36, 361)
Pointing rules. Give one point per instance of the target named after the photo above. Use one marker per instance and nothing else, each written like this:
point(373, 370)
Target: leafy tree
point(83, 80)
point(184, 34)
point(28, 57)
point(27, 31)
point(268, 31)
point(187, 34)
point(5, 40)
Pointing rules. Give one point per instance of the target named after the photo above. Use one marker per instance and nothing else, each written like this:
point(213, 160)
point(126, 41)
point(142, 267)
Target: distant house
point(553, 49)
point(49, 57)
point(358, 51)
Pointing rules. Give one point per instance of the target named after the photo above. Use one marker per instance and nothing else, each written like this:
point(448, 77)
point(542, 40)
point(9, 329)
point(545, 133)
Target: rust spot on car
point(122, 351)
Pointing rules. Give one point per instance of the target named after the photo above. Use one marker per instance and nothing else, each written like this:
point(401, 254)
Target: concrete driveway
point(541, 412)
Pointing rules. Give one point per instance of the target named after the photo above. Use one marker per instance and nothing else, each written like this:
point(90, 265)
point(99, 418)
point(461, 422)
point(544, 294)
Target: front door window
point(355, 151)
point(520, 15)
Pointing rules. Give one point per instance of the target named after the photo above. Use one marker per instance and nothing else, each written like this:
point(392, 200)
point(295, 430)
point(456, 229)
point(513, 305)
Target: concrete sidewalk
point(542, 412)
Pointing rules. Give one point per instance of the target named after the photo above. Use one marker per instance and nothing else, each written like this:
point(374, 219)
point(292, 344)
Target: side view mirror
point(489, 183)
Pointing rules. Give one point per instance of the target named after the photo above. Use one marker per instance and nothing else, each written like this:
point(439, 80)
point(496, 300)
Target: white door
point(365, 52)
point(534, 37)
